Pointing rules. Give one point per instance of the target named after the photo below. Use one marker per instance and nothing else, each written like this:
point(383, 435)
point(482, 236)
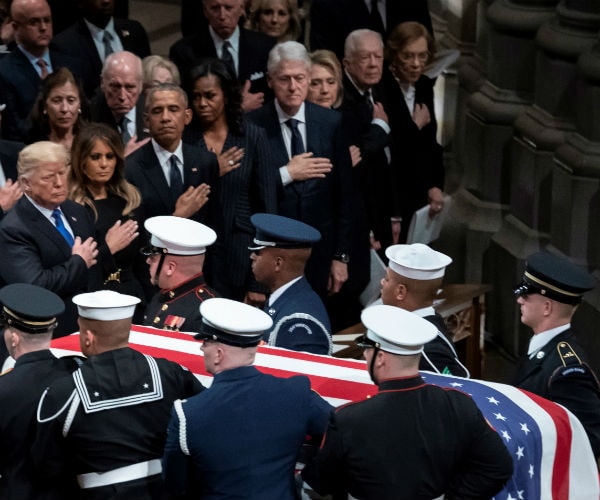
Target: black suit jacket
point(143, 170)
point(333, 20)
point(77, 41)
point(101, 113)
point(9, 154)
point(19, 87)
point(254, 52)
point(33, 251)
point(249, 189)
point(323, 203)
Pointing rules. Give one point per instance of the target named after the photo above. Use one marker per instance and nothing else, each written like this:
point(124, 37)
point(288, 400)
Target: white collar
point(424, 311)
point(279, 292)
point(234, 40)
point(97, 32)
point(539, 340)
point(283, 117)
point(163, 155)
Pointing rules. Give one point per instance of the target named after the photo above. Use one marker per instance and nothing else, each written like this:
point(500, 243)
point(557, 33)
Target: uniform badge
point(271, 311)
point(540, 354)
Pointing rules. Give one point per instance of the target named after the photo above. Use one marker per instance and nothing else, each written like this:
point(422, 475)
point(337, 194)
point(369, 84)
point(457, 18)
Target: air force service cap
point(554, 277)
point(417, 261)
point(178, 236)
point(232, 323)
point(105, 305)
point(30, 308)
point(395, 330)
point(282, 232)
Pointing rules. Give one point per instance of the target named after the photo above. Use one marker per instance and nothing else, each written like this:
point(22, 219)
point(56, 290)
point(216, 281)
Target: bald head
point(32, 22)
point(121, 82)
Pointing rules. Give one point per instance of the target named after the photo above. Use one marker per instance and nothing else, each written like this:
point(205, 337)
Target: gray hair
point(38, 153)
point(164, 87)
point(353, 39)
point(153, 62)
point(287, 51)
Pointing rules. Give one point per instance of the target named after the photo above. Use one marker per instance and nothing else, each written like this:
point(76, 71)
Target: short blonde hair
point(38, 153)
point(151, 63)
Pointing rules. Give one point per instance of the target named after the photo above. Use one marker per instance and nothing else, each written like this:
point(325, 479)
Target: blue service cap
point(30, 308)
point(282, 232)
point(554, 277)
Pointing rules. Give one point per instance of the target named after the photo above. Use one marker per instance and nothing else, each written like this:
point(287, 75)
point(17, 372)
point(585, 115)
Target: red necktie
point(44, 67)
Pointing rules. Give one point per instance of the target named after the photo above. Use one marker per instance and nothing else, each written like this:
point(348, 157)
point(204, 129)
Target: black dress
point(126, 271)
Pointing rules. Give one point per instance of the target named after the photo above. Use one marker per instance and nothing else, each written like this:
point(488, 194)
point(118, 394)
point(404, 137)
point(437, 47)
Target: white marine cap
point(396, 330)
point(105, 305)
point(179, 236)
point(232, 322)
point(417, 261)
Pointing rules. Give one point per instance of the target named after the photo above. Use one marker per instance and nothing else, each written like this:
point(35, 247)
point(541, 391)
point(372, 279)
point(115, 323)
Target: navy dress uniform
point(241, 437)
point(106, 424)
point(178, 308)
point(412, 440)
point(300, 320)
point(421, 262)
point(556, 365)
point(32, 310)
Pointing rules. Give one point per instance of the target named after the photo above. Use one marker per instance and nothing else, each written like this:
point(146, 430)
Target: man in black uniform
point(555, 366)
point(412, 440)
point(176, 258)
point(29, 316)
point(106, 424)
point(411, 282)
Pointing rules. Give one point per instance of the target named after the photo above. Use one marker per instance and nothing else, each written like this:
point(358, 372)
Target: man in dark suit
point(279, 254)
point(46, 239)
point(10, 187)
point(556, 366)
point(98, 34)
point(309, 151)
point(22, 71)
point(119, 103)
point(245, 51)
point(333, 20)
point(174, 178)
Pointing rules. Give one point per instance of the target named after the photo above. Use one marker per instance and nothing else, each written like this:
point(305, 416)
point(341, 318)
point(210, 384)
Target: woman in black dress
point(246, 186)
point(96, 181)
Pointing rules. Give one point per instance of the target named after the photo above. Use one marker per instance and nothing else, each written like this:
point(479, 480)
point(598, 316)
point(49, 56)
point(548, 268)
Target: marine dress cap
point(417, 261)
point(232, 322)
point(396, 330)
point(282, 232)
point(554, 277)
point(179, 236)
point(30, 308)
point(105, 305)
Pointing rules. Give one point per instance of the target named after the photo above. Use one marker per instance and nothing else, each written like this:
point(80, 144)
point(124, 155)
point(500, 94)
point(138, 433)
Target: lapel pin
point(124, 32)
point(540, 355)
point(194, 169)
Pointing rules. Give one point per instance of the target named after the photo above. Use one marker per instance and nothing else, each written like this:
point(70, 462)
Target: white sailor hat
point(105, 305)
point(178, 236)
point(395, 330)
point(417, 261)
point(233, 323)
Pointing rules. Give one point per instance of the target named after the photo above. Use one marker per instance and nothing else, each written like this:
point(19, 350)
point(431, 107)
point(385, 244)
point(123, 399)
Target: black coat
point(101, 113)
point(563, 375)
point(33, 251)
point(9, 154)
point(77, 41)
point(412, 441)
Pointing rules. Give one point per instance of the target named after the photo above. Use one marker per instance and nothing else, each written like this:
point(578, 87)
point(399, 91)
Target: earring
point(79, 110)
point(44, 112)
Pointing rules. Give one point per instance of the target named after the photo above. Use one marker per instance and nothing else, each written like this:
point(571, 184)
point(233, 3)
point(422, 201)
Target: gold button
point(164, 307)
point(156, 320)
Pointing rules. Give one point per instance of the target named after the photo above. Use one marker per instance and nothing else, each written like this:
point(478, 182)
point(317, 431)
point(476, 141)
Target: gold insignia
point(567, 355)
point(156, 320)
point(164, 307)
point(171, 294)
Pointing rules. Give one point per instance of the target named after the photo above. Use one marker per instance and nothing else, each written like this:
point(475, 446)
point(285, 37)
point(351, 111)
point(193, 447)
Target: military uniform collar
point(167, 295)
point(400, 384)
point(539, 340)
point(33, 357)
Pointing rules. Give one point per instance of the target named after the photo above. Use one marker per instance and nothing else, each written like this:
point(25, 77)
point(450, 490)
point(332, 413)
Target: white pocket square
point(256, 76)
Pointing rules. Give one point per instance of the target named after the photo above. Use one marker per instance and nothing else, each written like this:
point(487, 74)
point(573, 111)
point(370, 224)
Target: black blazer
point(254, 52)
point(19, 87)
point(77, 41)
point(101, 113)
point(333, 20)
point(249, 189)
point(323, 203)
point(143, 170)
point(9, 154)
point(33, 251)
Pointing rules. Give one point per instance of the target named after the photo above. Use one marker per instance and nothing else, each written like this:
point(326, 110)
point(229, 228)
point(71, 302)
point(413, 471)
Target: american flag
point(551, 452)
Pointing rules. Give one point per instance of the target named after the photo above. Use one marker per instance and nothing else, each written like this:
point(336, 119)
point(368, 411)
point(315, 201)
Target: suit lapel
point(40, 224)
point(191, 169)
point(155, 176)
point(89, 45)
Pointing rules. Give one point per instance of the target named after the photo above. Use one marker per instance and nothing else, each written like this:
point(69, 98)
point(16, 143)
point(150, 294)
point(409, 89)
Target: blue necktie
point(297, 144)
point(175, 178)
point(56, 215)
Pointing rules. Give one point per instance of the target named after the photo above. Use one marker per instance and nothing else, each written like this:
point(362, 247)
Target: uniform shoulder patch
point(568, 356)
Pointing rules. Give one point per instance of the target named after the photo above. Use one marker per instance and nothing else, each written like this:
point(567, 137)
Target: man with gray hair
point(119, 103)
point(308, 149)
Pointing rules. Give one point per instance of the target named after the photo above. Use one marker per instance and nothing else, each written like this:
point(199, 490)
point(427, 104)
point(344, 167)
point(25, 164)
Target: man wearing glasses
point(176, 259)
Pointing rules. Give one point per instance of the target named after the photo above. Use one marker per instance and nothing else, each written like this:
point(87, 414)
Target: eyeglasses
point(365, 342)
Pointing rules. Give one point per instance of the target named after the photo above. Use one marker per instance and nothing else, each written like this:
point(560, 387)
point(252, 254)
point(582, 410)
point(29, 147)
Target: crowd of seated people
point(346, 177)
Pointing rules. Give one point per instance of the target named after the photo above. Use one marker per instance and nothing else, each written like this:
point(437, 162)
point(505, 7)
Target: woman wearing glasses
point(417, 168)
